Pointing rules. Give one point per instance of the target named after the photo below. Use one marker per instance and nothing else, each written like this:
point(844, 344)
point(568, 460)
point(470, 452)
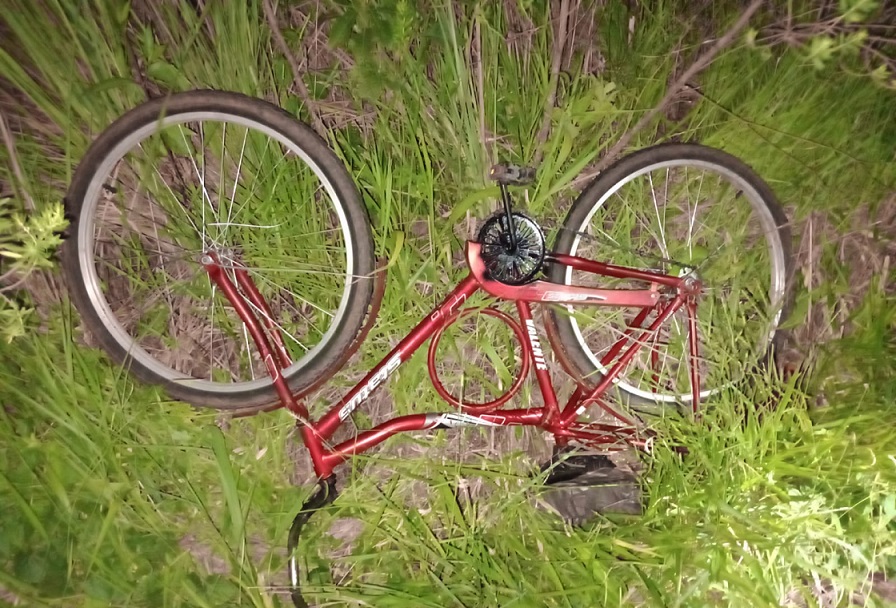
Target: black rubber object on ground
point(580, 486)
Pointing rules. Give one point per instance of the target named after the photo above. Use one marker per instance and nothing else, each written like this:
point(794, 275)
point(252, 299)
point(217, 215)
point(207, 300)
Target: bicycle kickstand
point(325, 494)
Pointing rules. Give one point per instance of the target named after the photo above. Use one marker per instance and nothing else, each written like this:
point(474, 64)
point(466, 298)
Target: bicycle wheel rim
point(86, 238)
point(775, 285)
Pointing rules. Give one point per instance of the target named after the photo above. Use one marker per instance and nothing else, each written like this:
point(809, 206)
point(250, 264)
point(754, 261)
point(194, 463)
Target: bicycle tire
point(646, 246)
point(115, 172)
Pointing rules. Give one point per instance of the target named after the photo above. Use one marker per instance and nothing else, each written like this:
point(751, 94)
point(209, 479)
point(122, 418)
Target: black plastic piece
point(581, 485)
point(568, 463)
point(508, 214)
point(326, 494)
point(512, 256)
point(512, 175)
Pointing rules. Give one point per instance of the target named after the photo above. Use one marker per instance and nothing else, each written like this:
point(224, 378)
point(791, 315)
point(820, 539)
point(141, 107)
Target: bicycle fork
point(276, 360)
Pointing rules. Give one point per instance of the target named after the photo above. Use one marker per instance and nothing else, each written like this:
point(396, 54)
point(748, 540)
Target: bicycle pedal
point(512, 175)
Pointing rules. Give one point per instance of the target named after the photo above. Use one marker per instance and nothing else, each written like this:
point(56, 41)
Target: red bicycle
point(184, 267)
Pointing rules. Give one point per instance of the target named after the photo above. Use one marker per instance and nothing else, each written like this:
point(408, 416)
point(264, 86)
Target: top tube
point(556, 293)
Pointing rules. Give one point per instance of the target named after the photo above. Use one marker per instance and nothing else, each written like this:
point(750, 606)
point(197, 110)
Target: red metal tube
point(571, 412)
point(520, 417)
point(312, 440)
point(545, 291)
point(694, 354)
point(532, 349)
point(624, 339)
point(401, 353)
point(488, 406)
point(417, 422)
point(248, 286)
point(611, 270)
point(367, 439)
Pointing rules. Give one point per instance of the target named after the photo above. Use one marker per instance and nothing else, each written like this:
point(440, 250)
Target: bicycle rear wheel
point(678, 209)
point(216, 172)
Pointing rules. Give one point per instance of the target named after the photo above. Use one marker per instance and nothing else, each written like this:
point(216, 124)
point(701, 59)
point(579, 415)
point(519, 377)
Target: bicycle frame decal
point(377, 379)
point(559, 296)
point(452, 420)
point(561, 423)
point(450, 306)
point(537, 353)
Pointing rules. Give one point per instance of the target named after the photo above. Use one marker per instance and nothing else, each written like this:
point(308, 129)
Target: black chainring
point(508, 263)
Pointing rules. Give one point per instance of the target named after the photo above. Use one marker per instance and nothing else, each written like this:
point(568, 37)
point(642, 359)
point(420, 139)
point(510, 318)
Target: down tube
point(401, 353)
point(419, 422)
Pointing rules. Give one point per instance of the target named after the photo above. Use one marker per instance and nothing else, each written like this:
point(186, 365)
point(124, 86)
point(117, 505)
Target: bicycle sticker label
point(273, 370)
point(371, 385)
point(561, 296)
point(456, 420)
point(537, 353)
point(450, 307)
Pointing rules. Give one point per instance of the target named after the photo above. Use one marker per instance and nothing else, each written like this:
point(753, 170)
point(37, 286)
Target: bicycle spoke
point(263, 315)
point(248, 350)
point(703, 225)
point(693, 217)
point(662, 236)
point(205, 196)
point(211, 335)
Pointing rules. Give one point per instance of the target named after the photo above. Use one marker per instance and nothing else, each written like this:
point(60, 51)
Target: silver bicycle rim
point(777, 285)
point(92, 281)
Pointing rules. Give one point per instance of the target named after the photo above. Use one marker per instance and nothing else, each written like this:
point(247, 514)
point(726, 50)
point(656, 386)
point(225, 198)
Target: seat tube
point(542, 374)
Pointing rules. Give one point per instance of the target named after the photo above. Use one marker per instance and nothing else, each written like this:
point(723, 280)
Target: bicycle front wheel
point(678, 209)
point(215, 172)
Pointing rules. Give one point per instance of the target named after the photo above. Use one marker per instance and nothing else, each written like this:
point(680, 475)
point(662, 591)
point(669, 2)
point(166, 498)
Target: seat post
point(508, 211)
point(511, 175)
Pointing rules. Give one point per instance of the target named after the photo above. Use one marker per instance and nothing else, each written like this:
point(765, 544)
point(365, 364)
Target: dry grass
point(856, 253)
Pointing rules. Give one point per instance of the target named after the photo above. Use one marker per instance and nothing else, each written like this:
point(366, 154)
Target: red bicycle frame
point(560, 422)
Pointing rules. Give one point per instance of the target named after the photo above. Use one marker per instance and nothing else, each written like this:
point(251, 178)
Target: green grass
point(115, 496)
